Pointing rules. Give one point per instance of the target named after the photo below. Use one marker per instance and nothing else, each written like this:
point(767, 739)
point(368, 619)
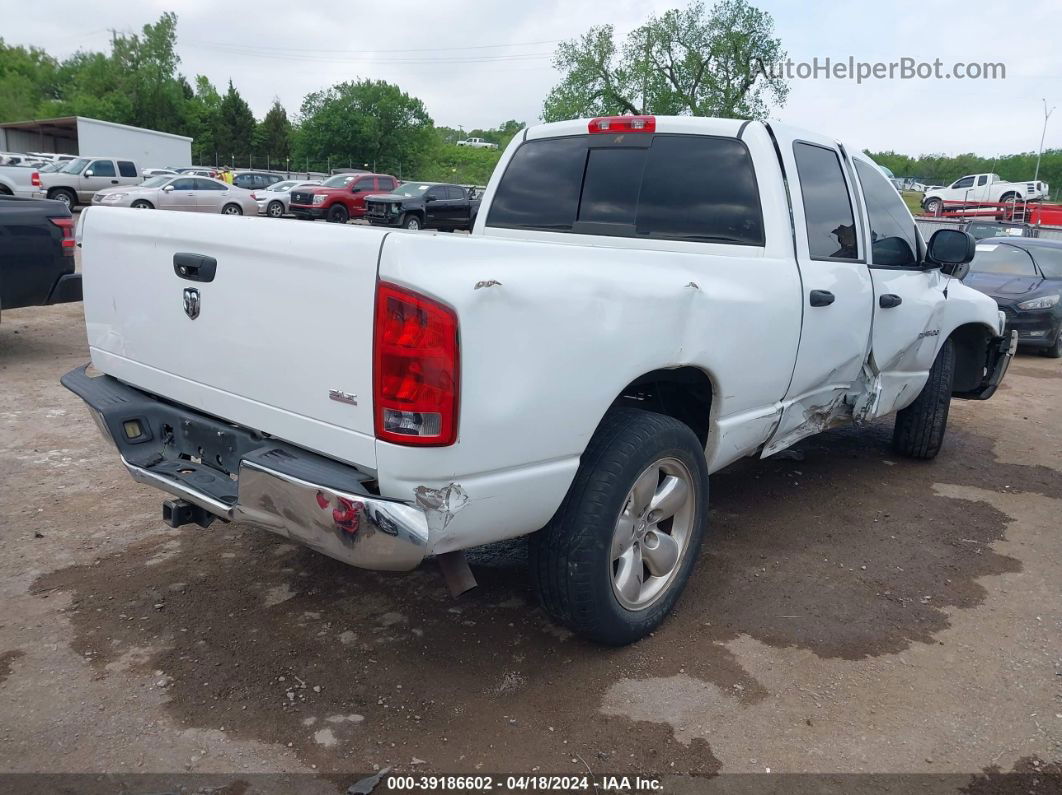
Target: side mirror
point(952, 251)
point(168, 189)
point(88, 173)
point(429, 199)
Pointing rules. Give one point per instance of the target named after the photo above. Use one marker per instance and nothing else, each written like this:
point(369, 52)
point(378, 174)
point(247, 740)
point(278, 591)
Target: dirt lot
point(851, 612)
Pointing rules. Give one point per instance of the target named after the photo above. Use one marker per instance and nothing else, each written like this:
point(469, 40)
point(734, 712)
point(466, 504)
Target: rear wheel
point(275, 209)
point(919, 429)
point(616, 556)
point(338, 214)
point(5, 191)
point(65, 196)
point(141, 204)
point(232, 209)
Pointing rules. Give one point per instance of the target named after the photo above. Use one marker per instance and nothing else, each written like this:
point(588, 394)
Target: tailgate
point(282, 339)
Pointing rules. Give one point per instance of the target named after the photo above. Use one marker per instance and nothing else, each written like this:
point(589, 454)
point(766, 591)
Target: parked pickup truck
point(77, 181)
point(477, 143)
point(643, 300)
point(36, 253)
point(339, 198)
point(414, 205)
point(982, 189)
point(20, 181)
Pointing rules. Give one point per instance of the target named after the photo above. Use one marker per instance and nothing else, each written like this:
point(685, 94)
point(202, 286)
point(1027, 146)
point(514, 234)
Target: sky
point(477, 63)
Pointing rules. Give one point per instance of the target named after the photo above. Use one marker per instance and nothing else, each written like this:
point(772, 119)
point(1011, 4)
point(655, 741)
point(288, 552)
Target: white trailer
point(78, 135)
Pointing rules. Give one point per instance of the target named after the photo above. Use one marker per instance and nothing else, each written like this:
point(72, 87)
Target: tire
point(412, 221)
point(338, 214)
point(5, 191)
point(65, 196)
point(919, 429)
point(142, 204)
point(232, 209)
point(446, 229)
point(1055, 351)
point(933, 206)
point(275, 209)
point(579, 560)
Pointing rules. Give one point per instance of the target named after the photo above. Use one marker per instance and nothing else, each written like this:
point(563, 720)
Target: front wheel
point(619, 551)
point(275, 209)
point(411, 222)
point(919, 429)
point(933, 206)
point(141, 204)
point(338, 214)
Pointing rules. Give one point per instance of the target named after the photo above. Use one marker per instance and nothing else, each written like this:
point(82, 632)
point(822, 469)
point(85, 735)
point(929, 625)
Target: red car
point(339, 198)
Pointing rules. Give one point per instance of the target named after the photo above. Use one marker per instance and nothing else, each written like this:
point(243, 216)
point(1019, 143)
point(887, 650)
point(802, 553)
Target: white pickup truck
point(477, 143)
point(982, 189)
point(642, 301)
point(20, 181)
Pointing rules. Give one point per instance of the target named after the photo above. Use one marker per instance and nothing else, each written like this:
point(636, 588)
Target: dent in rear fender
point(476, 509)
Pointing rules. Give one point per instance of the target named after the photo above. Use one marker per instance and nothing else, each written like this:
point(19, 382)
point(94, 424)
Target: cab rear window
point(678, 187)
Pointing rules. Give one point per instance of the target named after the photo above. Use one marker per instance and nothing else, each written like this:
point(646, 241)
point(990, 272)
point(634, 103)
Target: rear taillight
point(35, 179)
point(67, 227)
point(416, 368)
point(623, 124)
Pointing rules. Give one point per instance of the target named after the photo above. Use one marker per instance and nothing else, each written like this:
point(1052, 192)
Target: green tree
point(235, 128)
point(203, 111)
point(28, 77)
point(688, 61)
point(273, 136)
point(364, 122)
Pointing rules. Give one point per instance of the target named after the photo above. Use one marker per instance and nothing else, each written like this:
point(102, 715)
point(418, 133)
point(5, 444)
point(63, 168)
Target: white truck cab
point(643, 301)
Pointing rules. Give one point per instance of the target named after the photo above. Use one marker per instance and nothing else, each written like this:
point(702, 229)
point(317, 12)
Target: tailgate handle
point(195, 267)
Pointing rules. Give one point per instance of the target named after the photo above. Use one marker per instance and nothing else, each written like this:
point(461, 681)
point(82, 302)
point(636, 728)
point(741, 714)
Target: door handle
point(114, 182)
point(195, 267)
point(821, 298)
point(889, 300)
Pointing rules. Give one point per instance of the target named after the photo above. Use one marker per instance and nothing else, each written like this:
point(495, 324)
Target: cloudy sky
point(476, 63)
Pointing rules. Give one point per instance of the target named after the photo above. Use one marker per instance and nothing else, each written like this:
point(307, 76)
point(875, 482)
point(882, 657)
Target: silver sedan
point(275, 200)
point(190, 194)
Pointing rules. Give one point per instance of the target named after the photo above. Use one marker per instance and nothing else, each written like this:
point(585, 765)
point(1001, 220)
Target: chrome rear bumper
point(297, 494)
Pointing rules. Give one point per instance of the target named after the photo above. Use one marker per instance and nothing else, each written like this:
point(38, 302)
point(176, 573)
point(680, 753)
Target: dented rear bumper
point(237, 474)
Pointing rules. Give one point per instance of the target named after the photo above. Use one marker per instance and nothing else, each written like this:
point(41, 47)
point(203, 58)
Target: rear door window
point(126, 168)
point(827, 205)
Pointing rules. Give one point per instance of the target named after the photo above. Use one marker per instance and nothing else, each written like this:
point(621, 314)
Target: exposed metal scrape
point(440, 505)
point(694, 285)
point(487, 283)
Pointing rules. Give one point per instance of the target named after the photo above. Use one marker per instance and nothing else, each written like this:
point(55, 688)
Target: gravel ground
point(851, 612)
